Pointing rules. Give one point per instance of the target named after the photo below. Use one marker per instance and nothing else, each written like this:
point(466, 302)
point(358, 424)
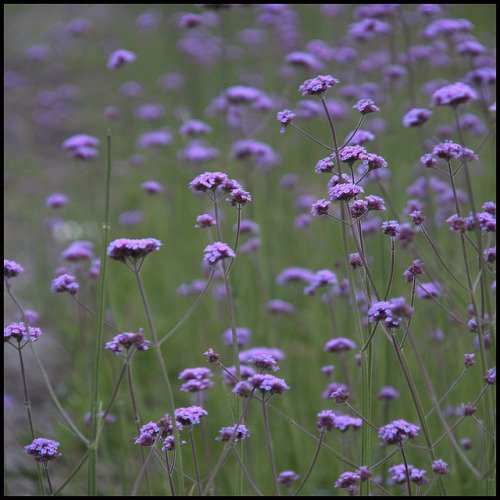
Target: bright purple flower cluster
point(326, 420)
point(149, 433)
point(212, 357)
point(239, 197)
point(264, 362)
point(320, 278)
point(17, 331)
point(320, 207)
point(243, 336)
point(190, 415)
point(365, 106)
point(78, 250)
point(216, 252)
point(388, 393)
point(326, 165)
point(64, 283)
point(194, 128)
point(268, 383)
point(396, 431)
point(209, 180)
point(347, 479)
point(246, 356)
point(416, 117)
point(11, 269)
point(43, 450)
point(439, 466)
point(340, 395)
point(152, 187)
point(398, 473)
point(152, 138)
point(450, 149)
point(358, 208)
point(205, 221)
point(293, 274)
point(81, 146)
point(127, 340)
point(226, 432)
point(56, 200)
point(318, 85)
point(278, 306)
point(374, 162)
point(390, 227)
point(124, 249)
point(339, 344)
point(453, 95)
point(198, 379)
point(344, 191)
point(285, 117)
point(343, 422)
point(350, 154)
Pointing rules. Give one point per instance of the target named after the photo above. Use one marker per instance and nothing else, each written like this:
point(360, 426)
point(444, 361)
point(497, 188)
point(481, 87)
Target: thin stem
point(406, 470)
point(252, 484)
point(313, 463)
point(193, 449)
point(393, 260)
point(298, 129)
point(270, 447)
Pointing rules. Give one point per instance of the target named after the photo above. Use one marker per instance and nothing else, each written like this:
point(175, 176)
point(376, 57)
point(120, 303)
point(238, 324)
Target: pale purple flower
point(340, 395)
point(226, 432)
point(285, 117)
point(239, 197)
point(396, 431)
point(194, 128)
point(339, 344)
point(149, 112)
point(149, 433)
point(416, 117)
point(469, 360)
point(127, 340)
point(80, 141)
point(216, 252)
point(305, 60)
point(347, 479)
point(17, 331)
point(124, 249)
point(318, 85)
point(343, 422)
point(160, 137)
point(350, 154)
point(388, 393)
point(291, 274)
point(190, 415)
point(11, 269)
point(427, 290)
point(439, 466)
point(326, 420)
point(64, 283)
point(108, 419)
point(43, 450)
point(212, 357)
point(452, 95)
point(268, 383)
point(120, 58)
point(365, 106)
point(491, 378)
point(373, 161)
point(287, 477)
point(204, 221)
point(276, 353)
point(152, 187)
point(208, 180)
point(78, 250)
point(278, 306)
point(264, 362)
point(243, 336)
point(56, 200)
point(344, 191)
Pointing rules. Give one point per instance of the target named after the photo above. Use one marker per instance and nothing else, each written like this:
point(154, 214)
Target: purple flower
point(388, 393)
point(226, 432)
point(11, 269)
point(358, 208)
point(285, 117)
point(491, 378)
point(427, 290)
point(189, 416)
point(81, 146)
point(262, 154)
point(326, 420)
point(277, 354)
point(414, 271)
point(449, 150)
point(339, 344)
point(323, 277)
point(365, 106)
point(278, 306)
point(208, 180)
point(293, 274)
point(149, 433)
point(239, 197)
point(347, 479)
point(379, 311)
point(318, 85)
point(124, 249)
point(216, 252)
point(127, 340)
point(325, 165)
point(17, 331)
point(343, 422)
point(355, 260)
point(268, 383)
point(361, 136)
point(416, 475)
point(350, 154)
point(243, 336)
point(64, 283)
point(373, 161)
point(78, 250)
point(194, 128)
point(344, 191)
point(416, 117)
point(152, 187)
point(196, 151)
point(120, 58)
point(108, 419)
point(305, 60)
point(469, 360)
point(487, 222)
point(468, 410)
point(428, 160)
point(390, 227)
point(264, 362)
point(149, 112)
point(160, 137)
point(375, 202)
point(205, 221)
point(56, 200)
point(43, 449)
point(418, 218)
point(287, 477)
point(396, 431)
point(340, 395)
point(454, 94)
point(212, 357)
point(439, 466)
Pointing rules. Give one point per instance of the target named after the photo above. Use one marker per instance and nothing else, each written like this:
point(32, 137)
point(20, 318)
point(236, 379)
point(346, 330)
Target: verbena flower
point(190, 415)
point(351, 154)
point(325, 165)
point(127, 340)
point(326, 420)
point(347, 479)
point(468, 410)
point(11, 268)
point(43, 450)
point(18, 332)
point(205, 221)
point(212, 357)
point(340, 395)
point(439, 466)
point(390, 227)
point(160, 137)
point(226, 432)
point(339, 344)
point(428, 290)
point(398, 473)
point(208, 180)
point(416, 117)
point(264, 362)
point(374, 162)
point(318, 85)
point(413, 271)
point(344, 422)
point(239, 197)
point(388, 393)
point(124, 249)
point(278, 306)
point(452, 95)
point(149, 433)
point(344, 191)
point(216, 252)
point(152, 187)
point(320, 278)
point(396, 431)
point(365, 106)
point(56, 200)
point(78, 250)
point(285, 117)
point(320, 207)
point(292, 274)
point(277, 354)
point(120, 58)
point(64, 283)
point(491, 378)
point(469, 360)
point(287, 477)
point(243, 336)
point(194, 128)
point(268, 383)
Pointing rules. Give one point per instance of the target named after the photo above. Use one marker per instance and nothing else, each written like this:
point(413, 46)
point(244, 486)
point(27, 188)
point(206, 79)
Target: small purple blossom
point(239, 197)
point(396, 431)
point(491, 378)
point(414, 271)
point(365, 106)
point(268, 383)
point(43, 450)
point(190, 415)
point(243, 336)
point(326, 420)
point(428, 160)
point(355, 260)
point(388, 393)
point(78, 250)
point(439, 466)
point(264, 362)
point(160, 137)
point(152, 187)
point(469, 360)
point(347, 479)
point(194, 128)
point(417, 217)
point(226, 432)
point(11, 269)
point(374, 162)
point(379, 311)
point(350, 154)
point(390, 227)
point(427, 290)
point(216, 252)
point(285, 117)
point(340, 395)
point(124, 249)
point(56, 200)
point(287, 478)
point(453, 95)
point(205, 221)
point(468, 410)
point(17, 331)
point(127, 340)
point(344, 191)
point(278, 306)
point(318, 85)
point(343, 422)
point(339, 344)
point(326, 165)
point(120, 58)
point(416, 117)
point(64, 283)
point(149, 433)
point(208, 180)
point(374, 202)
point(212, 357)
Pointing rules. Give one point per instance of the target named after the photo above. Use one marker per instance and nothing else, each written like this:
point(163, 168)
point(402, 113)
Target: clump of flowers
point(226, 432)
point(126, 341)
point(396, 431)
point(17, 331)
point(190, 415)
point(216, 252)
point(318, 86)
point(131, 251)
point(198, 379)
point(43, 450)
point(11, 269)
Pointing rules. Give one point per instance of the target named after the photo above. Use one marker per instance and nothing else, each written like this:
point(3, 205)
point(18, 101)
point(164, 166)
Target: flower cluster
point(268, 383)
point(126, 341)
point(216, 252)
point(396, 431)
point(17, 331)
point(417, 476)
point(318, 86)
point(239, 433)
point(43, 450)
point(64, 283)
point(11, 269)
point(198, 379)
point(190, 415)
point(124, 249)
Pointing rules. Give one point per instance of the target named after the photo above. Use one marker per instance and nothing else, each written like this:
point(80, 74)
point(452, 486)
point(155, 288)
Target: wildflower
point(414, 271)
point(468, 410)
point(365, 106)
point(120, 58)
point(457, 223)
point(287, 477)
point(325, 165)
point(427, 290)
point(80, 141)
point(396, 431)
point(344, 191)
point(64, 283)
point(56, 200)
point(449, 150)
point(152, 187)
point(379, 311)
point(293, 274)
point(243, 389)
point(360, 137)
point(239, 197)
point(439, 466)
point(326, 420)
point(343, 422)
point(11, 269)
point(390, 227)
point(17, 331)
point(318, 86)
point(226, 432)
point(416, 117)
point(268, 383)
point(487, 222)
point(195, 373)
point(472, 324)
point(320, 207)
point(347, 479)
point(355, 260)
point(43, 449)
point(278, 306)
point(208, 180)
point(418, 218)
point(358, 208)
point(469, 360)
point(124, 249)
point(243, 336)
point(169, 443)
point(453, 95)
point(31, 316)
point(428, 160)
point(189, 416)
point(374, 202)
point(490, 207)
point(78, 250)
point(491, 378)
point(277, 354)
point(263, 154)
point(417, 476)
point(466, 443)
point(285, 117)
point(364, 473)
point(340, 396)
point(374, 162)
point(149, 433)
point(205, 221)
point(212, 357)
point(264, 362)
point(194, 128)
point(160, 137)
point(127, 340)
point(339, 344)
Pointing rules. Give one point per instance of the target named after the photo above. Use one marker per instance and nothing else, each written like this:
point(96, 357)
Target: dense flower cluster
point(43, 450)
point(124, 249)
point(396, 431)
point(64, 283)
point(190, 415)
point(11, 269)
point(127, 340)
point(216, 252)
point(226, 432)
point(17, 331)
point(318, 85)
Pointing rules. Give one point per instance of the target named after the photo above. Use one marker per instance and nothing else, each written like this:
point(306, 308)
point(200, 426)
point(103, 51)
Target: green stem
point(313, 463)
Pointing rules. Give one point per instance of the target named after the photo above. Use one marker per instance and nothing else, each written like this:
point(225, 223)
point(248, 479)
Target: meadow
point(275, 223)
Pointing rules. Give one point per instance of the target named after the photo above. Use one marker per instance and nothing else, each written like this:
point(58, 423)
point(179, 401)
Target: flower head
point(285, 117)
point(124, 249)
point(396, 431)
point(43, 449)
point(189, 416)
point(17, 331)
point(127, 340)
point(148, 434)
point(11, 269)
point(239, 197)
point(491, 378)
point(344, 191)
point(339, 344)
point(416, 117)
point(318, 85)
point(212, 357)
point(439, 466)
point(390, 227)
point(120, 58)
point(287, 477)
point(452, 95)
point(268, 383)
point(365, 106)
point(64, 283)
point(216, 252)
point(205, 221)
point(264, 362)
point(226, 432)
